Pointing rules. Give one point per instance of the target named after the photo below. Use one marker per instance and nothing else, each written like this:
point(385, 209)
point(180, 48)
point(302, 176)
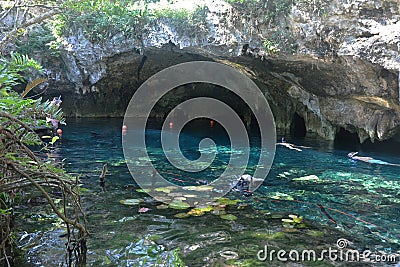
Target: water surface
point(337, 197)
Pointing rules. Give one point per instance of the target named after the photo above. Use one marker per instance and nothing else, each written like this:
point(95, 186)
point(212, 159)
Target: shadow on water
point(309, 200)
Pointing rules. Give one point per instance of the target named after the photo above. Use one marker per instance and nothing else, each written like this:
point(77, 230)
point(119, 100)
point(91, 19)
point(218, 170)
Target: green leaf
point(54, 139)
point(228, 217)
point(131, 202)
point(179, 205)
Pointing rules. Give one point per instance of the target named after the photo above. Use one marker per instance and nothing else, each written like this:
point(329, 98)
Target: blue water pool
point(335, 196)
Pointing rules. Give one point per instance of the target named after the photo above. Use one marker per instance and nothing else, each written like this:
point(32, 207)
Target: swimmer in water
point(291, 146)
point(353, 156)
point(243, 184)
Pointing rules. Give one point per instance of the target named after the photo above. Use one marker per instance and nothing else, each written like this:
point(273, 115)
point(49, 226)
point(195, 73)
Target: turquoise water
point(337, 198)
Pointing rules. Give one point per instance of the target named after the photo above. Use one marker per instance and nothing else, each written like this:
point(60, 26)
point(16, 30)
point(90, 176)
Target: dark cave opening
point(345, 136)
point(347, 140)
point(298, 127)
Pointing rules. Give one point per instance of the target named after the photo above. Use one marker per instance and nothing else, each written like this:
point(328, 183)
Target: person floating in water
point(353, 156)
point(291, 146)
point(243, 184)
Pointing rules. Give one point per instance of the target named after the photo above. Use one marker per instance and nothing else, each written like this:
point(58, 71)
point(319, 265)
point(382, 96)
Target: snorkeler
point(353, 156)
point(243, 184)
point(290, 146)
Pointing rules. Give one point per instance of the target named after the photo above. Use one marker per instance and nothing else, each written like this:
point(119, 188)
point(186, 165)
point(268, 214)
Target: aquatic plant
point(293, 221)
point(179, 205)
point(228, 217)
point(131, 202)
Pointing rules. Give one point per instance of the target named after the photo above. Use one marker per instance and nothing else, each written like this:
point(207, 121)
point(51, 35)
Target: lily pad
point(298, 220)
point(181, 215)
point(294, 219)
point(196, 212)
point(180, 198)
point(306, 178)
point(131, 202)
point(172, 187)
point(163, 189)
point(162, 199)
point(227, 201)
point(179, 205)
point(205, 209)
point(200, 188)
point(162, 207)
point(229, 217)
point(143, 190)
point(284, 196)
point(199, 211)
point(174, 194)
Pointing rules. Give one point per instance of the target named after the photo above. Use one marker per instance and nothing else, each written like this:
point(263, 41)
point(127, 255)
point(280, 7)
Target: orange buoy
point(59, 132)
point(171, 125)
point(212, 123)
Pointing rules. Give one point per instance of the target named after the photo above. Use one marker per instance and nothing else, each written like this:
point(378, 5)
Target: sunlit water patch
point(309, 200)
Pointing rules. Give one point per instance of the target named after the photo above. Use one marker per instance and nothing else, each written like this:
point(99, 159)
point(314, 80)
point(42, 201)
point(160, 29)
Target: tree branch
point(50, 201)
point(8, 11)
point(9, 36)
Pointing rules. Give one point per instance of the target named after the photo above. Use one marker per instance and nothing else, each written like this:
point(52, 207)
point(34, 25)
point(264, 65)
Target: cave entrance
point(344, 136)
point(298, 128)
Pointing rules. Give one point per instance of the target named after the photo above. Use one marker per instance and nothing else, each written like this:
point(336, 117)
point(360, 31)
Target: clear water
point(361, 203)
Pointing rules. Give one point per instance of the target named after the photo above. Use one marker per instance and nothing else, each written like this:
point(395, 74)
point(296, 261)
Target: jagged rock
point(338, 65)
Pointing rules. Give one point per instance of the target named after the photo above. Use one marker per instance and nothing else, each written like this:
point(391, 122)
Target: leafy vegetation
point(182, 19)
point(22, 169)
point(11, 71)
point(29, 111)
point(39, 40)
point(270, 47)
point(101, 20)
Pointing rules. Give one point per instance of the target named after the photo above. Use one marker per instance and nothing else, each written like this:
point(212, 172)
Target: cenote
point(322, 76)
point(335, 197)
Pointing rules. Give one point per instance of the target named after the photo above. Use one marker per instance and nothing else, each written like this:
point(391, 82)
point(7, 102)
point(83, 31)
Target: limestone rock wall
point(335, 64)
